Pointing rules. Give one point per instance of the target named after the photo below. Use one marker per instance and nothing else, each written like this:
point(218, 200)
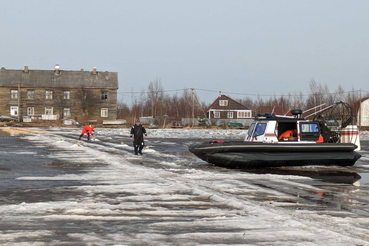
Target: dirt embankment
point(19, 131)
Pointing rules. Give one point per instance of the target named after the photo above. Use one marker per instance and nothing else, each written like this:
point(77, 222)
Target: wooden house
point(43, 95)
point(224, 111)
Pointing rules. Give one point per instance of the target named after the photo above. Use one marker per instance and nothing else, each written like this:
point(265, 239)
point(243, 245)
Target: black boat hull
point(255, 155)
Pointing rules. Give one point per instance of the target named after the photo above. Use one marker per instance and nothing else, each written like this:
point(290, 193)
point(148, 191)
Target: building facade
point(363, 112)
point(225, 110)
point(40, 95)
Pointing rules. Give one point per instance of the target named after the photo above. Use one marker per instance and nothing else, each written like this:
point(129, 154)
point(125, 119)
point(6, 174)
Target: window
point(309, 127)
point(216, 114)
point(243, 114)
point(49, 94)
point(104, 95)
point(104, 112)
point(49, 110)
point(14, 110)
point(13, 94)
point(30, 111)
point(66, 112)
point(66, 95)
point(223, 102)
point(256, 130)
point(230, 115)
point(31, 94)
point(309, 131)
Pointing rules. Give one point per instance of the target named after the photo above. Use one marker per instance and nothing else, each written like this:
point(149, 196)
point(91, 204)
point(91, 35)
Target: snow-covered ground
point(163, 199)
point(174, 133)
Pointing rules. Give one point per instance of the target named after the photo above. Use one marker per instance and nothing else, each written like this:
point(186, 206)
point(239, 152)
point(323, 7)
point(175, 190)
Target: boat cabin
point(268, 128)
point(283, 129)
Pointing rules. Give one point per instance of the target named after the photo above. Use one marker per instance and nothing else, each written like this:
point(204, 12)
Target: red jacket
point(87, 129)
point(287, 134)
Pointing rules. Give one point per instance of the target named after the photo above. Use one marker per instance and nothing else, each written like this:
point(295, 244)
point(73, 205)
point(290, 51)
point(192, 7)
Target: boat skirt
point(275, 159)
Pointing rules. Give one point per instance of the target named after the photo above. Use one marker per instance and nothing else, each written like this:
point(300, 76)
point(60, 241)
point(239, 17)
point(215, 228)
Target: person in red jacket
point(87, 130)
point(287, 134)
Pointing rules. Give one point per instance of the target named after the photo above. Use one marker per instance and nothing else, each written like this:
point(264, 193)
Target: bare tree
point(247, 102)
point(318, 95)
point(155, 95)
point(299, 102)
point(59, 102)
point(185, 104)
point(122, 110)
point(88, 101)
point(352, 98)
point(340, 94)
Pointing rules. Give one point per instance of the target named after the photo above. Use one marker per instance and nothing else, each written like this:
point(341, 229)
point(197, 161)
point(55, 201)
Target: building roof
point(356, 106)
point(277, 110)
point(53, 79)
point(235, 105)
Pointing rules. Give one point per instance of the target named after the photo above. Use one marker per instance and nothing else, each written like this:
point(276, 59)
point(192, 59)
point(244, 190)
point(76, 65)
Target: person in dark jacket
point(137, 134)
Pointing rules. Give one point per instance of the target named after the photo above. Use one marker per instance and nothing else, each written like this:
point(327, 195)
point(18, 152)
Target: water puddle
point(325, 176)
point(186, 154)
point(72, 165)
point(364, 181)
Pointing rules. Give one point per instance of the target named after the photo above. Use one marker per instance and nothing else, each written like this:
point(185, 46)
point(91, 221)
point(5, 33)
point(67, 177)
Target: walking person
point(87, 129)
point(137, 134)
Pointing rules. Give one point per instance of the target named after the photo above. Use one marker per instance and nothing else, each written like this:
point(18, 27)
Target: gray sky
point(248, 47)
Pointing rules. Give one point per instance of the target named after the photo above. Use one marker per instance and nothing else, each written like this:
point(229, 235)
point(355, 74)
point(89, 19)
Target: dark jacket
point(138, 133)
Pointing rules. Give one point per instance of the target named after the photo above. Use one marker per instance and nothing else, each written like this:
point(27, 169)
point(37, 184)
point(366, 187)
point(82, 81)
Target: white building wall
point(363, 113)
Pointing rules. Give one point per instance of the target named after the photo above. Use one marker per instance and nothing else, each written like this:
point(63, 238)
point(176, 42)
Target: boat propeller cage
point(333, 119)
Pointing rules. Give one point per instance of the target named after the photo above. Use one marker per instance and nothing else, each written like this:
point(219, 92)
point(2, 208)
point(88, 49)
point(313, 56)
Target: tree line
point(158, 104)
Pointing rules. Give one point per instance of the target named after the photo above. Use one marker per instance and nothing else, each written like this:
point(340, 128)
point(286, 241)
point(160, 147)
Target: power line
point(243, 94)
point(282, 95)
point(147, 92)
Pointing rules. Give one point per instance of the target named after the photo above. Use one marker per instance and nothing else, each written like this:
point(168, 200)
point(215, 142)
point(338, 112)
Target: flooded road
point(55, 191)
point(346, 188)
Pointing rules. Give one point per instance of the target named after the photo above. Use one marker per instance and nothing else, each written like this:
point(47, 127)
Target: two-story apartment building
point(35, 95)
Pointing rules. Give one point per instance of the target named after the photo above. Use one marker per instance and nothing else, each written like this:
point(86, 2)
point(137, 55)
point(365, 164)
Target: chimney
point(57, 69)
point(94, 71)
point(25, 69)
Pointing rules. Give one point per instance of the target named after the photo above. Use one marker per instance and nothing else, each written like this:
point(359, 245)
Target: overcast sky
point(234, 46)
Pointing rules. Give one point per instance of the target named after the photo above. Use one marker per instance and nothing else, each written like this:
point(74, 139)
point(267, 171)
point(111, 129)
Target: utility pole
point(360, 112)
point(193, 107)
point(198, 102)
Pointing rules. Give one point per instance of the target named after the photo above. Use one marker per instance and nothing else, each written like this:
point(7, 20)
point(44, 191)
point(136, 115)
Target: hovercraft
point(329, 138)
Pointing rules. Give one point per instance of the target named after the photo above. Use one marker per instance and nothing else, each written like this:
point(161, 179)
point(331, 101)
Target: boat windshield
point(256, 129)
